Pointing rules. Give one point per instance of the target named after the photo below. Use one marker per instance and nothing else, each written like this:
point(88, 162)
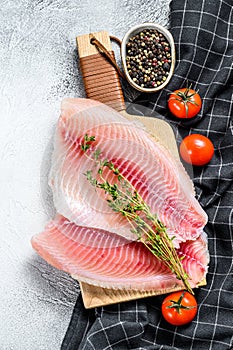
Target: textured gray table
point(38, 67)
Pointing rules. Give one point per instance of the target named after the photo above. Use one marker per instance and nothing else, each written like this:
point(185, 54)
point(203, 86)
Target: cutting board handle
point(101, 80)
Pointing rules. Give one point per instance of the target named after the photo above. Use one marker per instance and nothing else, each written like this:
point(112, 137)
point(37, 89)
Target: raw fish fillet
point(143, 160)
point(90, 241)
point(129, 265)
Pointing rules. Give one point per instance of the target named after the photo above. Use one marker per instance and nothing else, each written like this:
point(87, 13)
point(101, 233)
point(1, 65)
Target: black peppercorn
point(166, 66)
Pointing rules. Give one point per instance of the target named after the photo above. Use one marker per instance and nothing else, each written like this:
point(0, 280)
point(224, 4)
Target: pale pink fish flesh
point(143, 160)
point(72, 248)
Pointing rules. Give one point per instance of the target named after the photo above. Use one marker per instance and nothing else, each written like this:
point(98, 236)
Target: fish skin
point(173, 200)
point(126, 266)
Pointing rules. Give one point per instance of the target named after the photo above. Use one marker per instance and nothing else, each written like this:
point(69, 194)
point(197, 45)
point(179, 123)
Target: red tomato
point(196, 149)
point(179, 308)
point(184, 103)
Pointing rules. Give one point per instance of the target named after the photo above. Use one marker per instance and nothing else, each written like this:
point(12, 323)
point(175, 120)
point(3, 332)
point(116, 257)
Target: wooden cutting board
point(102, 83)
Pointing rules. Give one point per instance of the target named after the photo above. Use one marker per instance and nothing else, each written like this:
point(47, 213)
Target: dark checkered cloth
point(203, 33)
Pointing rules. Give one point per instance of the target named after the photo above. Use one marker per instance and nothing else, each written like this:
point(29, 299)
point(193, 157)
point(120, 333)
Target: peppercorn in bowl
point(148, 57)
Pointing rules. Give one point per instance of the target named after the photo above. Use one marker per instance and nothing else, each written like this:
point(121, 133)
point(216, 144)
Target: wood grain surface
point(101, 80)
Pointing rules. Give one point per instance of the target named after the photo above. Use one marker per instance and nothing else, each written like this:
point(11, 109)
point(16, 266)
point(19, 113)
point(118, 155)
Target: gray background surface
point(39, 67)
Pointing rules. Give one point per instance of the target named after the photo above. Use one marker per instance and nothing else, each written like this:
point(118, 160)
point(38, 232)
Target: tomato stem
point(178, 304)
point(186, 98)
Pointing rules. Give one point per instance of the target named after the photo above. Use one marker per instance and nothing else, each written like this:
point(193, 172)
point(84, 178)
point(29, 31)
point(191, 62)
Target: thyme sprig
point(123, 198)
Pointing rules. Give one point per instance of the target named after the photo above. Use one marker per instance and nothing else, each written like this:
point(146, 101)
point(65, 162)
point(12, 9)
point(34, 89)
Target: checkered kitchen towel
point(203, 33)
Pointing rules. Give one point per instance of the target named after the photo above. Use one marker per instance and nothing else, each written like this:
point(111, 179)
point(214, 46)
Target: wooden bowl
point(135, 30)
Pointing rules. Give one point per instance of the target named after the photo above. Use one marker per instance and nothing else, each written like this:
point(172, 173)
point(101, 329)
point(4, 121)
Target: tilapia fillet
point(75, 249)
point(160, 180)
point(93, 243)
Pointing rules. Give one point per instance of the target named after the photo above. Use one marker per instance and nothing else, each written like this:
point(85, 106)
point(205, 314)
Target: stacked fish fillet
point(90, 241)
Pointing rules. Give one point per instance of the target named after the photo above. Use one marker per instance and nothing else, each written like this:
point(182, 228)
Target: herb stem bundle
point(123, 198)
